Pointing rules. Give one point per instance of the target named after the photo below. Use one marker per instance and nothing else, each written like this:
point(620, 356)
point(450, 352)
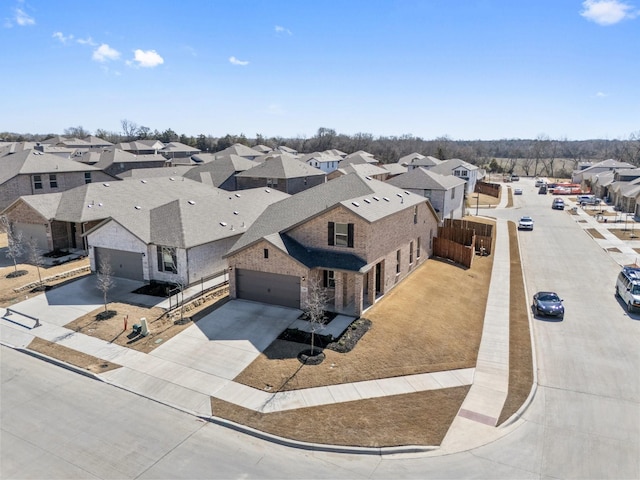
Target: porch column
point(371, 287)
point(340, 286)
point(358, 294)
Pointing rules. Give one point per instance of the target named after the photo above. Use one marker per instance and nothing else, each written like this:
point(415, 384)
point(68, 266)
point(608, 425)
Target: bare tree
point(35, 258)
point(129, 129)
point(15, 244)
point(105, 279)
point(76, 132)
point(315, 309)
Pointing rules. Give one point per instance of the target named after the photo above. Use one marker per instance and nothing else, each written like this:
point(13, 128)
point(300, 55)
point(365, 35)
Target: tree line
point(541, 150)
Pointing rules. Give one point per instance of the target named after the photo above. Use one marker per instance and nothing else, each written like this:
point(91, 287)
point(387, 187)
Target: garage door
point(268, 288)
point(37, 232)
point(123, 264)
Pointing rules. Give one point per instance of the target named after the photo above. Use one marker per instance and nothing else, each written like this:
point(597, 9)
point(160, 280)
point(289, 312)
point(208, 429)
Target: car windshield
point(549, 297)
point(635, 290)
point(526, 219)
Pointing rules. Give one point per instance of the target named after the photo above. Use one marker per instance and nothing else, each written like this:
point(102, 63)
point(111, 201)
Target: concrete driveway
point(227, 340)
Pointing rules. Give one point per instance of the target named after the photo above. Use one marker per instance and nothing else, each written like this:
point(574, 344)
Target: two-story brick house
point(357, 237)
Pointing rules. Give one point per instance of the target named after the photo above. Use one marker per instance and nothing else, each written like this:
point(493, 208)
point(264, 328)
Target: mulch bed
point(345, 343)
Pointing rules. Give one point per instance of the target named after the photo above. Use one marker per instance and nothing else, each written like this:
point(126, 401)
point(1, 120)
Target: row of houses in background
point(277, 221)
point(617, 183)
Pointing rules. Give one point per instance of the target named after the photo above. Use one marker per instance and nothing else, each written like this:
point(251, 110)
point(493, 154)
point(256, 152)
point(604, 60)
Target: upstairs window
point(53, 180)
point(415, 215)
point(265, 253)
point(87, 177)
point(340, 234)
point(410, 253)
point(398, 262)
point(167, 260)
point(37, 182)
point(418, 247)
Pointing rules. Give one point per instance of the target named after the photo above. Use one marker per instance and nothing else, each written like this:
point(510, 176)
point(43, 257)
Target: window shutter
point(331, 234)
point(350, 235)
point(325, 278)
point(159, 256)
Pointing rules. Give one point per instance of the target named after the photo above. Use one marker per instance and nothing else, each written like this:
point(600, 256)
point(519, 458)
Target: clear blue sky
point(483, 69)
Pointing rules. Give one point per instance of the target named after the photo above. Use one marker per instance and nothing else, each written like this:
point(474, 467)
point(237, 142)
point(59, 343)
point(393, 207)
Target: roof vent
point(235, 212)
point(89, 206)
point(100, 204)
point(143, 181)
point(399, 194)
point(105, 184)
point(386, 199)
point(407, 193)
point(238, 195)
point(224, 224)
point(191, 202)
point(367, 200)
point(355, 204)
point(267, 190)
point(376, 198)
point(137, 207)
point(368, 178)
point(171, 178)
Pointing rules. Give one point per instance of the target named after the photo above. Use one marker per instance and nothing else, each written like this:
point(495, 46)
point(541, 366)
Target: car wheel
point(618, 293)
point(629, 307)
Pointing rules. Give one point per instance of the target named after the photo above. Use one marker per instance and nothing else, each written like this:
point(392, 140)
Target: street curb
point(318, 447)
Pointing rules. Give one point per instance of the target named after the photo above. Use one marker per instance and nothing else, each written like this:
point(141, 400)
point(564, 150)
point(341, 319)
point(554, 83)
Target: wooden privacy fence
point(459, 240)
point(491, 189)
point(456, 252)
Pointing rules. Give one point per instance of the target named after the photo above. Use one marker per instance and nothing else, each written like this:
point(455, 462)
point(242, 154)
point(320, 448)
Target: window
point(37, 182)
point(410, 253)
point(415, 214)
point(266, 253)
point(167, 261)
point(272, 182)
point(453, 193)
point(418, 247)
point(53, 180)
point(329, 278)
point(398, 262)
point(340, 234)
point(87, 177)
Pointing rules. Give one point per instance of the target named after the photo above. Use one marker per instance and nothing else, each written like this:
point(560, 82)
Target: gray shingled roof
point(240, 150)
point(317, 258)
point(30, 162)
point(394, 168)
point(448, 166)
point(281, 167)
point(408, 158)
point(420, 178)
point(364, 169)
point(193, 221)
point(156, 172)
point(370, 199)
point(217, 171)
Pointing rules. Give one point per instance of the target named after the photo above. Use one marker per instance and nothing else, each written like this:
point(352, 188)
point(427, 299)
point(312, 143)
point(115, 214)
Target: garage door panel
point(36, 232)
point(123, 264)
point(269, 288)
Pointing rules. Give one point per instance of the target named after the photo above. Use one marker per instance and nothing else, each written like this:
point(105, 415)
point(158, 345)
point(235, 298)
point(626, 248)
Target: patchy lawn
point(594, 233)
point(626, 234)
point(420, 327)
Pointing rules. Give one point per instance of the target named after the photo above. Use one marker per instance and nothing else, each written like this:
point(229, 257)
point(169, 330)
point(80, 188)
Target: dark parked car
point(548, 304)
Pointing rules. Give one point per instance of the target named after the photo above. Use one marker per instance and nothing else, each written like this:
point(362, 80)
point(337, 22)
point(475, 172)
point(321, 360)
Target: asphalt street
point(584, 421)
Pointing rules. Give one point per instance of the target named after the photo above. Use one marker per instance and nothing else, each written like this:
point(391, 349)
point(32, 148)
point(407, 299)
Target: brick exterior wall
point(376, 243)
point(290, 185)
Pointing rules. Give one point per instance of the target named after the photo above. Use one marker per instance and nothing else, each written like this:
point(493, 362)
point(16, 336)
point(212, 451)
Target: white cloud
point(86, 41)
point(607, 12)
point(146, 59)
point(280, 29)
point(23, 19)
point(60, 36)
point(235, 61)
point(104, 52)
point(601, 95)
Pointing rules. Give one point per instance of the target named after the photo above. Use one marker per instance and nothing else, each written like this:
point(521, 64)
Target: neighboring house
point(263, 149)
point(358, 158)
point(281, 172)
point(156, 172)
point(141, 147)
point(239, 150)
point(59, 221)
point(177, 150)
point(116, 161)
point(585, 175)
point(355, 237)
point(221, 172)
point(407, 159)
point(286, 150)
point(421, 162)
point(394, 169)
point(31, 172)
point(322, 161)
point(445, 192)
point(600, 183)
point(181, 241)
point(364, 169)
point(461, 169)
